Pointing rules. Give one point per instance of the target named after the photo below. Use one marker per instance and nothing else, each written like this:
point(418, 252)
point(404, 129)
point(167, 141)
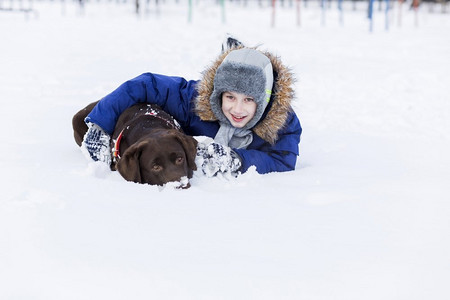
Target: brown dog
point(147, 145)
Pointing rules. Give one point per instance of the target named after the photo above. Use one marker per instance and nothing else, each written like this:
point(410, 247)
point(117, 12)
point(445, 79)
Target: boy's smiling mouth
point(238, 118)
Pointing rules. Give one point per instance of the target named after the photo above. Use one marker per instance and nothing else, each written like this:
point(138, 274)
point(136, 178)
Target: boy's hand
point(97, 143)
point(214, 158)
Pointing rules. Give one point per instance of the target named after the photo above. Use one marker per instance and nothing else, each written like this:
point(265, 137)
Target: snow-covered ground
point(366, 214)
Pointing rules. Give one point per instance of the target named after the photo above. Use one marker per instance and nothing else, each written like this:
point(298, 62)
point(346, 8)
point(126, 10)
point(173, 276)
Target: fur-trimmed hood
point(276, 112)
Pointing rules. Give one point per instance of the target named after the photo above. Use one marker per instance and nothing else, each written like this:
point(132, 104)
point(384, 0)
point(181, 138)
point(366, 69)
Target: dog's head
point(162, 157)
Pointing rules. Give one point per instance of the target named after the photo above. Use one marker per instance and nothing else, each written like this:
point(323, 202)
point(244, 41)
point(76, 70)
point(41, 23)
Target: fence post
point(387, 14)
point(222, 3)
point(323, 15)
point(273, 13)
point(371, 15)
point(190, 11)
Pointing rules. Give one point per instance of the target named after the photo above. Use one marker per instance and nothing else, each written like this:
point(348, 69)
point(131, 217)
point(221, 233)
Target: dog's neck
point(141, 117)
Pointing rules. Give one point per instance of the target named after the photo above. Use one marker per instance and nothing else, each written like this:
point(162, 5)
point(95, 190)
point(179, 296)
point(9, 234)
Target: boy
point(243, 101)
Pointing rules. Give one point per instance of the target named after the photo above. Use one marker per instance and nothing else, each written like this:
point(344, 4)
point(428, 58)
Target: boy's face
point(238, 108)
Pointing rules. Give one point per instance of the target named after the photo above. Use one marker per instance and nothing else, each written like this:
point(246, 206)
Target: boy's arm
point(172, 94)
point(277, 158)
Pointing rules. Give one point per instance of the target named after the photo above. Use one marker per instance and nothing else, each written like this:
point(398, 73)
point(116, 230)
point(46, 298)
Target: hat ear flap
point(128, 165)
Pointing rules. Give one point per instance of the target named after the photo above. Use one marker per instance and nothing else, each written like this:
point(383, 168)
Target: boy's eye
point(249, 99)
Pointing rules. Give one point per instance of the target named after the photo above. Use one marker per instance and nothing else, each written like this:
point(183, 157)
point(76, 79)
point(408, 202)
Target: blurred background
point(192, 9)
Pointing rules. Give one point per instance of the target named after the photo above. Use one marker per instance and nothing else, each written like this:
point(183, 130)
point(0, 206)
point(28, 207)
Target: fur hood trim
point(277, 110)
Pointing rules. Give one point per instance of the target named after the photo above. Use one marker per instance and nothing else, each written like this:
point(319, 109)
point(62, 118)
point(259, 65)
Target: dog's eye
point(179, 160)
point(156, 168)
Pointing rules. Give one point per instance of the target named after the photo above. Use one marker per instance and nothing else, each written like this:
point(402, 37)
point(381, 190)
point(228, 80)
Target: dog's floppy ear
point(190, 148)
point(128, 165)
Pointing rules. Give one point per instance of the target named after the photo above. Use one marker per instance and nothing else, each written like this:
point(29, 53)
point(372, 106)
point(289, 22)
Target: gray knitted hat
point(246, 71)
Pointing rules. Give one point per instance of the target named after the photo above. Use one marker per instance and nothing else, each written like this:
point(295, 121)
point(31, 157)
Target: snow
point(365, 215)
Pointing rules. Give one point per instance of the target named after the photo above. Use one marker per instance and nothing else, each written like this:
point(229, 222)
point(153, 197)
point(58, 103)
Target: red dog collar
point(116, 153)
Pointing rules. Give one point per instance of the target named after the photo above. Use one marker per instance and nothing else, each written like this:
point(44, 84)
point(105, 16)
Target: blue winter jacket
point(275, 138)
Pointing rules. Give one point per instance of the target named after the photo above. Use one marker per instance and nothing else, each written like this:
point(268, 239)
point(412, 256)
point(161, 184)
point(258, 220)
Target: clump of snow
point(183, 183)
point(96, 169)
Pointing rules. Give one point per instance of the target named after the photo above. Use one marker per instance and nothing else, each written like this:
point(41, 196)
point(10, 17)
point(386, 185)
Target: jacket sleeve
point(172, 94)
point(280, 157)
